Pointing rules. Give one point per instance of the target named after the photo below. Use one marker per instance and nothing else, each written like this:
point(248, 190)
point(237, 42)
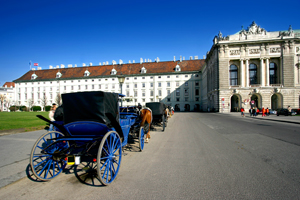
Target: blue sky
point(54, 32)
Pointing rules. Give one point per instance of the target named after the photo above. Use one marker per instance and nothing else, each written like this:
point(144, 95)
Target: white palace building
point(251, 67)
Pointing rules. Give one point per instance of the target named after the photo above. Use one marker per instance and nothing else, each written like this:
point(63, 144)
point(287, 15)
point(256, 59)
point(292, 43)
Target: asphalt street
point(199, 156)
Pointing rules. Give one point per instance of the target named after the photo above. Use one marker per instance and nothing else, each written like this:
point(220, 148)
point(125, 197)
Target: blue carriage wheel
point(109, 157)
point(46, 161)
point(141, 138)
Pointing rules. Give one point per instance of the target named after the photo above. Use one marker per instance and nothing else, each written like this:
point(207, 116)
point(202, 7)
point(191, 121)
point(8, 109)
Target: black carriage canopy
point(97, 106)
point(156, 107)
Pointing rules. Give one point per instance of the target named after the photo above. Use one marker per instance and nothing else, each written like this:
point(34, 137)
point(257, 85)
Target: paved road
point(199, 156)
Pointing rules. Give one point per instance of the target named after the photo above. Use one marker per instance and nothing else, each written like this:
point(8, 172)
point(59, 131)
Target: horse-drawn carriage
point(159, 113)
point(93, 130)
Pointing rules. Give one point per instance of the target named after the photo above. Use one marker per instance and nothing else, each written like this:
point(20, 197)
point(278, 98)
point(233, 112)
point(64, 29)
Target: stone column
point(262, 74)
point(268, 72)
point(247, 72)
point(242, 82)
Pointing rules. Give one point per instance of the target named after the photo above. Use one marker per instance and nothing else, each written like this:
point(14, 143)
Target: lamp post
point(121, 79)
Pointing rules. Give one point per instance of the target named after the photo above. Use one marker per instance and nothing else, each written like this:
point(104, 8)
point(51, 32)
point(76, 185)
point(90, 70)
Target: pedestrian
point(257, 111)
point(263, 112)
point(250, 111)
point(51, 115)
point(254, 112)
point(242, 112)
point(268, 111)
point(290, 110)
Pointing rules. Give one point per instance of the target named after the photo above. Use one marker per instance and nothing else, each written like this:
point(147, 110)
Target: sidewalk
point(280, 118)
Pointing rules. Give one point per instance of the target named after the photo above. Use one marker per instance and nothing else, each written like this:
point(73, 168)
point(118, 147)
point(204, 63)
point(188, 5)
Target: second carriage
point(159, 114)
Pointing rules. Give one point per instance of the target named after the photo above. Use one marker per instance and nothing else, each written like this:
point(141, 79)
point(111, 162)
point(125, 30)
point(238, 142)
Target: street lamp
point(121, 79)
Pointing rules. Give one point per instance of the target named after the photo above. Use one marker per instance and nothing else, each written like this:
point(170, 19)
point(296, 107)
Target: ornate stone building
point(253, 67)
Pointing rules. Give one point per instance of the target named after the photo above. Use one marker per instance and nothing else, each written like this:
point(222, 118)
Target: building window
point(143, 85)
point(168, 92)
point(186, 92)
point(186, 99)
point(135, 85)
point(233, 72)
point(92, 86)
point(113, 86)
point(159, 92)
point(106, 86)
point(273, 73)
point(151, 77)
point(135, 78)
point(72, 87)
point(252, 74)
point(143, 77)
point(135, 93)
point(143, 94)
point(168, 84)
point(151, 93)
point(85, 80)
point(127, 79)
point(177, 92)
point(177, 84)
point(86, 87)
point(197, 92)
point(177, 99)
point(127, 85)
point(196, 83)
point(159, 84)
point(186, 76)
point(151, 84)
point(127, 93)
point(65, 87)
point(99, 86)
point(78, 87)
point(197, 99)
point(186, 84)
point(168, 99)
point(26, 96)
point(168, 76)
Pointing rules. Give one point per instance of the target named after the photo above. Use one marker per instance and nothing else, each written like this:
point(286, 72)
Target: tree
point(58, 99)
point(2, 99)
point(30, 103)
point(44, 101)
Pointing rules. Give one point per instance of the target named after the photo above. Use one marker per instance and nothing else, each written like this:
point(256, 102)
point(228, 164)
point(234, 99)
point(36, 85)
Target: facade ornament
point(254, 29)
point(220, 37)
point(289, 32)
point(235, 52)
point(254, 51)
point(275, 50)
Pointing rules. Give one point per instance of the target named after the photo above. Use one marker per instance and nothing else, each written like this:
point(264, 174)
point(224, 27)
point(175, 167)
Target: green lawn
point(27, 120)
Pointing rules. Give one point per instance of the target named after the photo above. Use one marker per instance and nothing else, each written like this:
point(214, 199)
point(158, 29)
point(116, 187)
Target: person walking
point(243, 112)
point(250, 111)
point(263, 112)
point(254, 112)
point(267, 111)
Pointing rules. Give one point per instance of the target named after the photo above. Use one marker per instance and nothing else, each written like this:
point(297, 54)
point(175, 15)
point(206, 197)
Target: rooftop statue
point(254, 29)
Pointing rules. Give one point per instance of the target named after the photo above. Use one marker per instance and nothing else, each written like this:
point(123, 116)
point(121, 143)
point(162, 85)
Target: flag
point(35, 64)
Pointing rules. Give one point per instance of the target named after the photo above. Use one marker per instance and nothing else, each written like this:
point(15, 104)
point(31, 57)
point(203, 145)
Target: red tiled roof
point(125, 69)
point(9, 84)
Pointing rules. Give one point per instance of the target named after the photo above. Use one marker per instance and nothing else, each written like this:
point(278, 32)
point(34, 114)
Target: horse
point(146, 115)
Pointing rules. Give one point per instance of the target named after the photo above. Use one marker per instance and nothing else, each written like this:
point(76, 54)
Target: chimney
point(191, 57)
point(183, 58)
point(50, 67)
point(75, 65)
point(106, 63)
point(196, 57)
point(91, 64)
point(62, 66)
point(157, 59)
point(100, 63)
point(103, 63)
point(39, 68)
point(32, 69)
point(69, 65)
point(83, 64)
point(113, 62)
point(129, 62)
point(141, 60)
point(120, 62)
point(203, 56)
point(180, 58)
point(174, 58)
point(57, 66)
point(133, 61)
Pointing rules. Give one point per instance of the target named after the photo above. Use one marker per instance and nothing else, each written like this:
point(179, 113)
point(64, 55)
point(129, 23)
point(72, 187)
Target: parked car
point(272, 112)
point(284, 111)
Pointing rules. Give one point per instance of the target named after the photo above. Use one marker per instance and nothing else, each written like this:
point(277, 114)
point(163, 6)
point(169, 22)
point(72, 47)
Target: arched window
point(252, 74)
point(233, 72)
point(273, 73)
